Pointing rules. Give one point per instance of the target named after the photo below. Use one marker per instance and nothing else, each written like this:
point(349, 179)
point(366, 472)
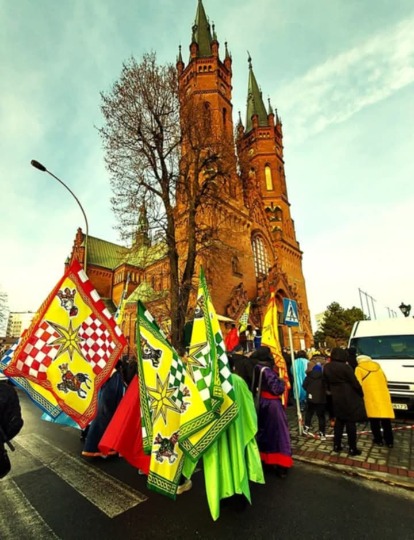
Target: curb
point(355, 471)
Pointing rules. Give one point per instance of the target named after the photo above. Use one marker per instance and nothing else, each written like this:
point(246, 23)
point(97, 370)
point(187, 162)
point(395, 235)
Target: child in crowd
point(315, 399)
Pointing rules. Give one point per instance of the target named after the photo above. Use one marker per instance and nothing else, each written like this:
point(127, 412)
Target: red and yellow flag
point(71, 347)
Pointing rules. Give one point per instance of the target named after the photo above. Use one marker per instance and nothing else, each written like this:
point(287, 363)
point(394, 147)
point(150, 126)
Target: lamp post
point(405, 309)
point(42, 168)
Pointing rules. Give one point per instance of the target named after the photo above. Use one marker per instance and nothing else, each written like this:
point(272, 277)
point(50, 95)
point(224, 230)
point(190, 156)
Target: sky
point(340, 73)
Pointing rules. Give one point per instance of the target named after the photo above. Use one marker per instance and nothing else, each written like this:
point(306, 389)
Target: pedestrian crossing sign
point(290, 312)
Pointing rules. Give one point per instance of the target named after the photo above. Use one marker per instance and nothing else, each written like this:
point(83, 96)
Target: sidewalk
point(394, 466)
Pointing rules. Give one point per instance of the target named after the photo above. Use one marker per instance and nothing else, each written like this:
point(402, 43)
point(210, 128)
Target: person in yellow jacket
point(376, 398)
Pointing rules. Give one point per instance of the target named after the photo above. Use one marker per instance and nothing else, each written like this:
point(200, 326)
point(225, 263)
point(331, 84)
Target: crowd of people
point(349, 389)
point(338, 387)
point(335, 386)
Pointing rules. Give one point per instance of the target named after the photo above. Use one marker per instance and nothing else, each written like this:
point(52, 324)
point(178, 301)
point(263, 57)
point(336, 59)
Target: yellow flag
point(270, 337)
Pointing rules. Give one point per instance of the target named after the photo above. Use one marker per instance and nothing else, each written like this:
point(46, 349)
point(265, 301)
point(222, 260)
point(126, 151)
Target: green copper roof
point(201, 31)
point(109, 255)
point(145, 255)
point(255, 103)
point(106, 254)
point(145, 293)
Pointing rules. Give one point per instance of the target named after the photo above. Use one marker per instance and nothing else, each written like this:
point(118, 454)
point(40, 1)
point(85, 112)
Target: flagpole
point(42, 168)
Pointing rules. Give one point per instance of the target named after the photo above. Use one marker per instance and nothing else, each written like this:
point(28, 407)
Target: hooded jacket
point(374, 385)
point(314, 385)
point(347, 395)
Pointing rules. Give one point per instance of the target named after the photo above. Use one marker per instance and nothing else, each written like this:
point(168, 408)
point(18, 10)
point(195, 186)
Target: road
point(52, 492)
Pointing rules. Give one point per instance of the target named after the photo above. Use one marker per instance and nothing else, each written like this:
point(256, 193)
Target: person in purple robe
point(273, 437)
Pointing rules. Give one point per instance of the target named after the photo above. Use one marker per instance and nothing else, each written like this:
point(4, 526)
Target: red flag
point(124, 432)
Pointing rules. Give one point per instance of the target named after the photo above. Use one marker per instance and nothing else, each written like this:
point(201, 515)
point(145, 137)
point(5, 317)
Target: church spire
point(255, 105)
point(201, 32)
point(142, 233)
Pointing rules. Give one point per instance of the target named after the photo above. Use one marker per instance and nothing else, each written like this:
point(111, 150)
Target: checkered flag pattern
point(224, 368)
point(6, 358)
point(203, 385)
point(37, 354)
point(96, 343)
point(177, 375)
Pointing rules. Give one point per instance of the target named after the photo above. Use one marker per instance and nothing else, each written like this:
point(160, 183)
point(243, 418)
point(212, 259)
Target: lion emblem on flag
point(166, 448)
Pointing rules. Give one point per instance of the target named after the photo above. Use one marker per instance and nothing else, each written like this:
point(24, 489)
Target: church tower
point(260, 149)
point(262, 251)
point(208, 80)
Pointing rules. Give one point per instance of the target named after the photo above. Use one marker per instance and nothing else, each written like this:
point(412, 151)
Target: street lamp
point(42, 168)
point(405, 309)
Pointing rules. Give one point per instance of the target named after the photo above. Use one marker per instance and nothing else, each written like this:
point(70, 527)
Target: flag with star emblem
point(207, 365)
point(173, 409)
point(164, 397)
point(270, 337)
point(71, 347)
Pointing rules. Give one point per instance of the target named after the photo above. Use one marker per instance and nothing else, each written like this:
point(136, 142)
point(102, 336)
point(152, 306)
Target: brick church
point(263, 252)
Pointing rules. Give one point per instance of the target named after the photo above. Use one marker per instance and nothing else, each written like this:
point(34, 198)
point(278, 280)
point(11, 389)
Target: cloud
point(340, 87)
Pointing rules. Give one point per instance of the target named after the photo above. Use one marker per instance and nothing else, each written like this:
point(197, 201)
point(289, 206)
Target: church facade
point(264, 253)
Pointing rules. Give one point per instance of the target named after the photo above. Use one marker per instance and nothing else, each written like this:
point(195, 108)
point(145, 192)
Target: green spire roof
point(255, 103)
point(201, 31)
point(142, 234)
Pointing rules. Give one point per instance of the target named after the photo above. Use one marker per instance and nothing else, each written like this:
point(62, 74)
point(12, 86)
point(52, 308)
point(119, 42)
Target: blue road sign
point(290, 312)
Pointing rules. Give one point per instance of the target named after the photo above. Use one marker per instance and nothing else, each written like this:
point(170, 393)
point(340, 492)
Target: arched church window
point(261, 260)
point(268, 177)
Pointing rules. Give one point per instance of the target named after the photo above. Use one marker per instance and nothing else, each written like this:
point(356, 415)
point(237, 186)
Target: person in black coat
point(347, 399)
point(11, 421)
point(314, 384)
point(242, 365)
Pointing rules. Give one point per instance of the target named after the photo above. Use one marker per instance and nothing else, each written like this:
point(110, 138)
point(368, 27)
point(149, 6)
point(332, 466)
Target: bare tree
point(162, 150)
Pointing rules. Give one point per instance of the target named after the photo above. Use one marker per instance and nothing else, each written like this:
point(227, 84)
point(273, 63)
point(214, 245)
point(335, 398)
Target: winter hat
point(363, 358)
point(262, 354)
point(339, 355)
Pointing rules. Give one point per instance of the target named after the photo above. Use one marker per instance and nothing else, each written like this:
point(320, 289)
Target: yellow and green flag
point(163, 399)
point(244, 319)
point(207, 365)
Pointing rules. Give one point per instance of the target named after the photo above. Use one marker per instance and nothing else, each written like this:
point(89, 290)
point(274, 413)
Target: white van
point(390, 342)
